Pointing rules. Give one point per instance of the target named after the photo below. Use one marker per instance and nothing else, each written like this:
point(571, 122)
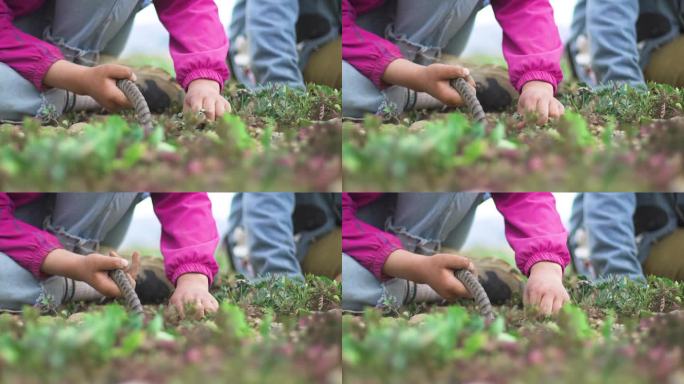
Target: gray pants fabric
point(423, 30)
point(266, 218)
point(424, 222)
point(83, 30)
point(80, 221)
point(269, 26)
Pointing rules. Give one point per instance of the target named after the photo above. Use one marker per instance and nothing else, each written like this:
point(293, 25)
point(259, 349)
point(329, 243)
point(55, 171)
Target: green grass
point(613, 139)
point(613, 332)
point(259, 335)
point(292, 140)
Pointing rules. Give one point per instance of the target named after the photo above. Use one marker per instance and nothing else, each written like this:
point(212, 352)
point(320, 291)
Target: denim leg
point(418, 28)
point(82, 221)
point(266, 219)
point(18, 287)
point(607, 218)
point(459, 41)
point(270, 29)
point(19, 98)
point(83, 28)
point(423, 29)
point(269, 25)
point(424, 221)
point(458, 236)
point(360, 288)
point(236, 32)
point(360, 96)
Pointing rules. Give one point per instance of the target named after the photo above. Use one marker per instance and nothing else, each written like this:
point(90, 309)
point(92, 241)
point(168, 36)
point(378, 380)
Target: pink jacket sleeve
point(198, 43)
point(363, 242)
point(24, 243)
point(531, 43)
point(533, 228)
point(27, 55)
point(368, 53)
point(189, 236)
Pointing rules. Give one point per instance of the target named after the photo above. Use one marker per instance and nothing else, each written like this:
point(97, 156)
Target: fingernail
point(124, 263)
point(133, 77)
point(467, 72)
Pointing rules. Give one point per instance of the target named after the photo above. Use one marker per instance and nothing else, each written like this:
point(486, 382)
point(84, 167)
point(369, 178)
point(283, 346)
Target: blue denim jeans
point(269, 28)
point(83, 30)
point(266, 220)
point(607, 220)
point(424, 222)
point(80, 221)
point(610, 26)
point(423, 30)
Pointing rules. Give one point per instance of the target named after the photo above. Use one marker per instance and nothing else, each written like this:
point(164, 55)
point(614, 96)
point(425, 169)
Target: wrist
point(539, 84)
point(546, 267)
point(205, 83)
point(67, 75)
point(61, 262)
point(193, 278)
point(406, 265)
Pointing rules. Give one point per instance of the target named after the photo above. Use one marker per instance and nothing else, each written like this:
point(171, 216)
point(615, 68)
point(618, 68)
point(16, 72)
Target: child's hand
point(91, 269)
point(537, 97)
point(94, 270)
point(205, 96)
point(437, 271)
point(193, 289)
point(545, 289)
point(433, 79)
point(98, 82)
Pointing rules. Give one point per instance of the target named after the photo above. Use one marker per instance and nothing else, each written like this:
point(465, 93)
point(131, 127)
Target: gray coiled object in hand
point(470, 99)
point(127, 290)
point(142, 111)
point(473, 286)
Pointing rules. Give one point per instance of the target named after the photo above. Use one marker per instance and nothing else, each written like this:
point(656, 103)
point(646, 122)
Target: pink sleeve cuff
point(380, 67)
point(542, 256)
point(192, 268)
point(202, 74)
point(379, 262)
point(35, 263)
point(538, 76)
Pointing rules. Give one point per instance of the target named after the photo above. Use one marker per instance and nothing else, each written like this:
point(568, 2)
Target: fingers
point(116, 71)
point(557, 304)
point(201, 304)
point(546, 303)
point(108, 263)
point(134, 268)
point(448, 72)
point(556, 109)
point(209, 107)
point(221, 107)
point(454, 289)
point(542, 111)
point(115, 99)
point(457, 262)
point(106, 286)
point(210, 305)
point(448, 95)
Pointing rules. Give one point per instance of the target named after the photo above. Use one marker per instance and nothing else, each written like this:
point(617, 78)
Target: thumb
point(107, 263)
point(119, 72)
point(456, 262)
point(452, 71)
